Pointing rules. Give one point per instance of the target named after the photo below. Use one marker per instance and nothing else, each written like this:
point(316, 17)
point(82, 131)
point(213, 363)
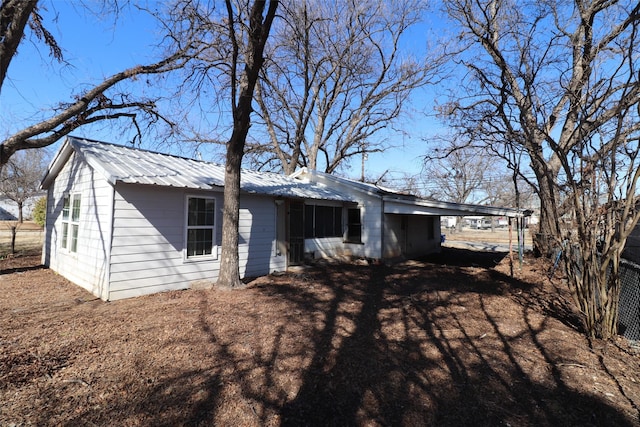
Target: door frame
point(295, 232)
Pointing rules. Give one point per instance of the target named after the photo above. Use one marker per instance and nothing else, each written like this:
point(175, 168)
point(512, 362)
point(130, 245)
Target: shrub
point(40, 211)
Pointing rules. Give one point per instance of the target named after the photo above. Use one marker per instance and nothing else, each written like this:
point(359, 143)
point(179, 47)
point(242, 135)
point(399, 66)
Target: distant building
point(9, 208)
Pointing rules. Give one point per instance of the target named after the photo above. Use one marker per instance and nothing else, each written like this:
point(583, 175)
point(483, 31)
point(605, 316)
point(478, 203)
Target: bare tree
point(334, 77)
point(14, 15)
point(459, 176)
point(558, 81)
point(100, 102)
point(245, 67)
point(20, 178)
point(231, 44)
point(462, 173)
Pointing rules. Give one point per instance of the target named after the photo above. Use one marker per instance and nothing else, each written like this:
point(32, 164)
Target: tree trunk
point(14, 16)
point(230, 261)
point(258, 34)
point(20, 205)
point(14, 231)
point(548, 236)
point(596, 291)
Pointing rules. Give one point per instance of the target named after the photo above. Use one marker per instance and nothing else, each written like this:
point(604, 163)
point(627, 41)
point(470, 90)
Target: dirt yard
point(450, 340)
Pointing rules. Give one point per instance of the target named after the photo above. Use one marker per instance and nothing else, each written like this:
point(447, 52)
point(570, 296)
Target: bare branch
point(82, 111)
point(334, 77)
point(14, 15)
point(558, 84)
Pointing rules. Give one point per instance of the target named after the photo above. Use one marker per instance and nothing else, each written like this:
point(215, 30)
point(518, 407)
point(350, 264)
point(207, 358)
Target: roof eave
point(461, 207)
point(56, 164)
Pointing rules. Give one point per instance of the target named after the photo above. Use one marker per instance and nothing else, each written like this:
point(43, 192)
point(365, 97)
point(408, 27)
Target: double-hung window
point(70, 222)
point(200, 226)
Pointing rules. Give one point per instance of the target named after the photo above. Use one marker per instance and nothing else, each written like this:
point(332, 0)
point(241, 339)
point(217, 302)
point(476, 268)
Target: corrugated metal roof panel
point(134, 166)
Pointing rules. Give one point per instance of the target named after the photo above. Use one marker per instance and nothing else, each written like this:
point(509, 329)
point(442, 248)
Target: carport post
point(511, 246)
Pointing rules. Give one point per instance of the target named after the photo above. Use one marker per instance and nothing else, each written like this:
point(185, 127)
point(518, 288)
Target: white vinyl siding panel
point(149, 238)
point(88, 266)
point(257, 237)
point(148, 242)
point(371, 228)
point(151, 285)
point(171, 280)
point(394, 237)
point(327, 247)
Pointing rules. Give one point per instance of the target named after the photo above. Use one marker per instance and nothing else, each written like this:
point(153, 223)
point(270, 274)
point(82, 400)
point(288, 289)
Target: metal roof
point(117, 163)
point(402, 203)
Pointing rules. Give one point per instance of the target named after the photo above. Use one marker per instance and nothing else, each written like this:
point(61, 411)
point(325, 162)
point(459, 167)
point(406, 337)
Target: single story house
point(123, 222)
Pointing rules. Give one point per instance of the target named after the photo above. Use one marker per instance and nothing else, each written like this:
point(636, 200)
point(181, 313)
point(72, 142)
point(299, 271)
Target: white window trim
point(66, 241)
point(346, 238)
point(214, 248)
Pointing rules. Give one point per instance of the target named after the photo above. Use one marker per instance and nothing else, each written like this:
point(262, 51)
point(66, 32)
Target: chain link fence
point(629, 307)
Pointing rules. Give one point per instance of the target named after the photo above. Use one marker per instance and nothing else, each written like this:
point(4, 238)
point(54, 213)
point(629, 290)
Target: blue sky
point(95, 47)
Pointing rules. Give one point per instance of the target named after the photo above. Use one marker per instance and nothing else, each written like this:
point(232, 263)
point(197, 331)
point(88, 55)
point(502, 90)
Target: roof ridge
point(146, 150)
point(143, 150)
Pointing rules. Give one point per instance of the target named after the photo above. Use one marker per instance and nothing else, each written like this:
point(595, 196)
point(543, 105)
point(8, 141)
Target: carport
point(406, 205)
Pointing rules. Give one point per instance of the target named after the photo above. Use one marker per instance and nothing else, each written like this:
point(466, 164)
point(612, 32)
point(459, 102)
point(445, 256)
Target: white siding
point(394, 236)
point(148, 242)
point(411, 235)
point(88, 267)
point(257, 237)
point(372, 218)
point(149, 238)
point(328, 247)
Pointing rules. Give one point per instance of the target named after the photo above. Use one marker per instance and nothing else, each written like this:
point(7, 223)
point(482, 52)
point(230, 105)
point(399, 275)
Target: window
point(354, 226)
point(70, 222)
point(200, 226)
point(322, 221)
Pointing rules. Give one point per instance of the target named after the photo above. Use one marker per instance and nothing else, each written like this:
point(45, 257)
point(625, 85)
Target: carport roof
point(416, 206)
point(396, 202)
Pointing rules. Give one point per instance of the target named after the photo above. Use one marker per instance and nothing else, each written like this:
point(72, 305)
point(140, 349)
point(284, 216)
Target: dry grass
point(29, 238)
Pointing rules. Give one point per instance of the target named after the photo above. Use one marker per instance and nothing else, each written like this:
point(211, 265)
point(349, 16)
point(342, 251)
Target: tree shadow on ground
point(465, 258)
point(445, 340)
point(412, 358)
point(21, 262)
point(189, 398)
point(21, 269)
point(551, 300)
